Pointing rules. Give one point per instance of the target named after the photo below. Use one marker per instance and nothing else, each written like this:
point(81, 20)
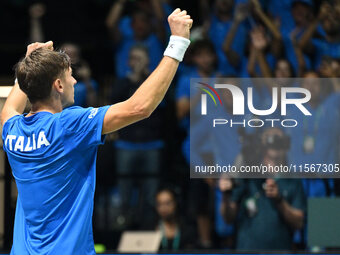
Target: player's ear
point(58, 85)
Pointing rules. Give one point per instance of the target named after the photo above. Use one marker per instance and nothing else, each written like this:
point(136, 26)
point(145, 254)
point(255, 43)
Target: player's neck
point(52, 106)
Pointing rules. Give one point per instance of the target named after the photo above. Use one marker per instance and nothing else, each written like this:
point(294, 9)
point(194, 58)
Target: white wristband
point(177, 47)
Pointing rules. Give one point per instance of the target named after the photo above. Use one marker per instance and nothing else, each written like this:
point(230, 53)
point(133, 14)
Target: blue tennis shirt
point(53, 160)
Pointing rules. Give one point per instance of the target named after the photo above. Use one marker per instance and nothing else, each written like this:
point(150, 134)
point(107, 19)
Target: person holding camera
point(265, 211)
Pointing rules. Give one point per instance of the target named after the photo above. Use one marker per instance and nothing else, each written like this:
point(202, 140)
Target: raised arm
point(259, 43)
point(145, 100)
point(299, 54)
point(113, 19)
point(36, 12)
point(325, 9)
point(273, 28)
point(17, 99)
point(240, 14)
point(160, 18)
point(276, 44)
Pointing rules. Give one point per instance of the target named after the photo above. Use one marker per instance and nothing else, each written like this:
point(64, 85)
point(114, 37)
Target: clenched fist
point(180, 23)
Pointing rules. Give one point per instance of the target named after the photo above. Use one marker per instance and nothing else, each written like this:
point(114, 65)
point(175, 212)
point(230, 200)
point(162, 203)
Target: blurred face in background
point(283, 69)
point(141, 25)
point(205, 60)
point(331, 24)
point(302, 14)
point(329, 67)
point(224, 6)
point(138, 60)
point(165, 205)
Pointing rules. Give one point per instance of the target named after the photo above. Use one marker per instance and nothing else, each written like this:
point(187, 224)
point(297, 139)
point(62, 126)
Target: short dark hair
point(37, 72)
point(203, 44)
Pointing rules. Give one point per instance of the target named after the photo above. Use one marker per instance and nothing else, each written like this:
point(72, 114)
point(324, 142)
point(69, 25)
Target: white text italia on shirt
point(23, 143)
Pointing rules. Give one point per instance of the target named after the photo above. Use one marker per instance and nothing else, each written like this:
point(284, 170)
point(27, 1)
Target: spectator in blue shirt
point(260, 61)
point(315, 139)
point(132, 29)
point(138, 151)
point(204, 59)
point(329, 45)
point(228, 34)
point(302, 13)
point(280, 11)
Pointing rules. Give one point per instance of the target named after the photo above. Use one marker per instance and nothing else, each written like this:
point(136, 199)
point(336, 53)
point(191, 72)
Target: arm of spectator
point(113, 17)
point(299, 54)
point(270, 24)
point(36, 11)
point(259, 43)
point(158, 10)
point(304, 42)
point(305, 38)
point(147, 97)
point(182, 107)
point(204, 10)
point(264, 67)
point(252, 60)
point(160, 16)
point(228, 208)
point(293, 216)
point(17, 99)
point(240, 14)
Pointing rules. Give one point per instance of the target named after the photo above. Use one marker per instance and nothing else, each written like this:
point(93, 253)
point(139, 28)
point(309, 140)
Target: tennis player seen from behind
point(53, 151)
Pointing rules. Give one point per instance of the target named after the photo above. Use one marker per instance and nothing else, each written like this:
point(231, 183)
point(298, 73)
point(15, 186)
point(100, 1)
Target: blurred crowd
point(150, 187)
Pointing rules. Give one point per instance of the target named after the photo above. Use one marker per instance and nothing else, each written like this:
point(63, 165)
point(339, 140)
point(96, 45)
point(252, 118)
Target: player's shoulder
point(72, 109)
point(13, 119)
point(76, 111)
point(10, 122)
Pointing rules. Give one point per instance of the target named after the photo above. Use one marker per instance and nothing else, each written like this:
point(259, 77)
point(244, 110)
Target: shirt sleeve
point(83, 126)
